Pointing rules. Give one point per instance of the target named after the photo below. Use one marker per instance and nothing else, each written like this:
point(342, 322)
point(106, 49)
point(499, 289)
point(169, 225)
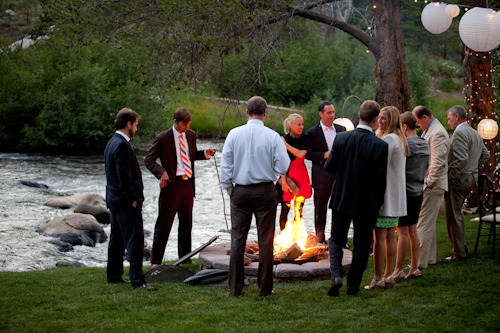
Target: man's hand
point(327, 154)
point(164, 179)
point(285, 187)
point(134, 204)
point(209, 152)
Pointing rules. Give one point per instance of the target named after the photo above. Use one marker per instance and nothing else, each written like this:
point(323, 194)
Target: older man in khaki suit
point(467, 154)
point(436, 183)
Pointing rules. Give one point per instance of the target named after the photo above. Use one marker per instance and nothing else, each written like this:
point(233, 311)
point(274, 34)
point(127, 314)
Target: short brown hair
point(256, 105)
point(182, 115)
point(369, 110)
point(124, 116)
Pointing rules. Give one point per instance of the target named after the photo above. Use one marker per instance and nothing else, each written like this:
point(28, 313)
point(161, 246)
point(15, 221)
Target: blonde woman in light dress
point(385, 245)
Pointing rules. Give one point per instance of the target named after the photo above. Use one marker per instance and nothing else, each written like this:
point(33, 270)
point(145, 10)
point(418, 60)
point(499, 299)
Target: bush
point(451, 85)
point(66, 99)
point(447, 68)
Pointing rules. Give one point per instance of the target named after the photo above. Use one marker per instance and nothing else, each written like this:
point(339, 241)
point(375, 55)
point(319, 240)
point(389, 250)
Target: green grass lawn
point(449, 297)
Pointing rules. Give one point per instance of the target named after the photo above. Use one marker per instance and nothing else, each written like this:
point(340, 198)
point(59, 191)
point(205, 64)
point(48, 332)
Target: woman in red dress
point(297, 144)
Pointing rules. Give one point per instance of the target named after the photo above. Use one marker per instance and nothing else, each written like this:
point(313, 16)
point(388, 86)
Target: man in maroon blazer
point(176, 149)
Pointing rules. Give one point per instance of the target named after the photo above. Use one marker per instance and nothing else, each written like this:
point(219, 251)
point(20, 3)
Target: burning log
point(294, 251)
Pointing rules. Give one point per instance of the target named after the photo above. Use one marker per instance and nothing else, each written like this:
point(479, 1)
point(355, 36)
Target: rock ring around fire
point(216, 256)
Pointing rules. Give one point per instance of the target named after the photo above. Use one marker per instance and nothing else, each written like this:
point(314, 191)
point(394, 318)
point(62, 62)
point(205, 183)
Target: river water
point(22, 211)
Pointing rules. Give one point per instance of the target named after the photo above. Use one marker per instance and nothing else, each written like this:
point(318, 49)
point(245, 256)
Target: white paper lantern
point(349, 126)
point(488, 129)
point(434, 18)
point(495, 26)
point(452, 10)
point(474, 29)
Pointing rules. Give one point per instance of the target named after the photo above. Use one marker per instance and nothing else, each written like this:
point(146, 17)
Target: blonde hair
point(290, 120)
point(394, 126)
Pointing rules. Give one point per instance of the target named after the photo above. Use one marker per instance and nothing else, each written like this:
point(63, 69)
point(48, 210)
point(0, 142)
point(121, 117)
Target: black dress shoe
point(352, 290)
point(335, 287)
point(145, 286)
point(187, 262)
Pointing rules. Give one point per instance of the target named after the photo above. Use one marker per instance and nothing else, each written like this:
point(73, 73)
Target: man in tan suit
point(467, 154)
point(436, 183)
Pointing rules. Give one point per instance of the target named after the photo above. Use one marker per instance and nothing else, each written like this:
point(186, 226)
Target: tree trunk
point(479, 95)
point(390, 69)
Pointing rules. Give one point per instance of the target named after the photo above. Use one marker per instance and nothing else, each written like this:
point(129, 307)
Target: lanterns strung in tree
point(452, 10)
point(495, 26)
point(488, 129)
point(474, 29)
point(435, 19)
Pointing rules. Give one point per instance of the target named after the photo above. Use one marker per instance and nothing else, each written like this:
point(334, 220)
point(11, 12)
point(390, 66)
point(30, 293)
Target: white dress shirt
point(252, 154)
point(124, 135)
point(330, 134)
point(180, 166)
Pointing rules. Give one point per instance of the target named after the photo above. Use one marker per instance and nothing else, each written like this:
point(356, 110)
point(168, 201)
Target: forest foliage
point(63, 92)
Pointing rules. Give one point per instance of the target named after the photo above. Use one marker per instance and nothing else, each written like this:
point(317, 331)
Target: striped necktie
point(184, 157)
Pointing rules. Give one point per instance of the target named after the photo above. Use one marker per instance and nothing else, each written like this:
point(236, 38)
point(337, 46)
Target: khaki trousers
point(454, 200)
point(426, 226)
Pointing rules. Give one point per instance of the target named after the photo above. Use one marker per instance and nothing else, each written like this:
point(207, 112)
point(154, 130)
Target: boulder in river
point(33, 184)
point(76, 229)
point(65, 202)
point(94, 204)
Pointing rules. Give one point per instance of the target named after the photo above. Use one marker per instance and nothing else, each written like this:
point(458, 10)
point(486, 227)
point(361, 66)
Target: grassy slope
point(450, 296)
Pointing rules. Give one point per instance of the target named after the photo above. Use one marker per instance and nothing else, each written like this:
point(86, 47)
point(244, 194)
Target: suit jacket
point(439, 145)
point(163, 147)
point(318, 146)
point(467, 154)
point(360, 158)
point(123, 176)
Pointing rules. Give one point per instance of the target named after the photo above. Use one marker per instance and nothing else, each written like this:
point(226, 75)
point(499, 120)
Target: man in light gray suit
point(467, 154)
point(436, 183)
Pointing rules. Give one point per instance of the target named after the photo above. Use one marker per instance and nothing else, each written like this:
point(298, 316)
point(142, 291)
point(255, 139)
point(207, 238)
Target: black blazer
point(360, 158)
point(123, 176)
point(163, 147)
point(318, 146)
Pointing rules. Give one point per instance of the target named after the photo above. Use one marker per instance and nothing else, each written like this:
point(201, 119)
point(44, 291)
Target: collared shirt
point(330, 133)
point(460, 125)
point(252, 154)
point(432, 123)
point(366, 127)
point(180, 166)
point(124, 135)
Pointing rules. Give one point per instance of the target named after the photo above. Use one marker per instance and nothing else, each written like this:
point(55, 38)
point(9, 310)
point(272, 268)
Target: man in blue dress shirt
point(252, 158)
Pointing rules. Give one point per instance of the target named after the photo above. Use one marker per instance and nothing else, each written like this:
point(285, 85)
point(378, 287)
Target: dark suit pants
point(363, 234)
point(321, 197)
point(259, 200)
point(126, 233)
point(175, 198)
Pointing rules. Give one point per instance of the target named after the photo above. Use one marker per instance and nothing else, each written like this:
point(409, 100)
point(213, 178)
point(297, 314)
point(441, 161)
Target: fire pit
point(297, 254)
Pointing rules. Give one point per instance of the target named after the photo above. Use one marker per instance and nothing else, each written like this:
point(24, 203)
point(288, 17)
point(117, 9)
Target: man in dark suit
point(124, 197)
point(322, 137)
point(176, 149)
point(360, 158)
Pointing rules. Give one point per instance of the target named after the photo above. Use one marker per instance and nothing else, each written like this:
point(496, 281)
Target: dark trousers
point(126, 233)
point(259, 200)
point(363, 233)
point(321, 197)
point(175, 198)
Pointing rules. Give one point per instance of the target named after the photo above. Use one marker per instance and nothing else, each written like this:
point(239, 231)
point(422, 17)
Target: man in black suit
point(176, 148)
point(124, 198)
point(360, 158)
point(322, 137)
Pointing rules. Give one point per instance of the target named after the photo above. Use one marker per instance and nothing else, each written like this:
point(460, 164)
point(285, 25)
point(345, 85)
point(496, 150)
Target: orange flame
point(294, 232)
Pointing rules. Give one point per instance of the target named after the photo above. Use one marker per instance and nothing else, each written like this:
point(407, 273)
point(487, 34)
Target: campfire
point(294, 243)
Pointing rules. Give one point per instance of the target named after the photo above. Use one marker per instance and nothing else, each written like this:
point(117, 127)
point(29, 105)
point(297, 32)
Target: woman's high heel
point(376, 284)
